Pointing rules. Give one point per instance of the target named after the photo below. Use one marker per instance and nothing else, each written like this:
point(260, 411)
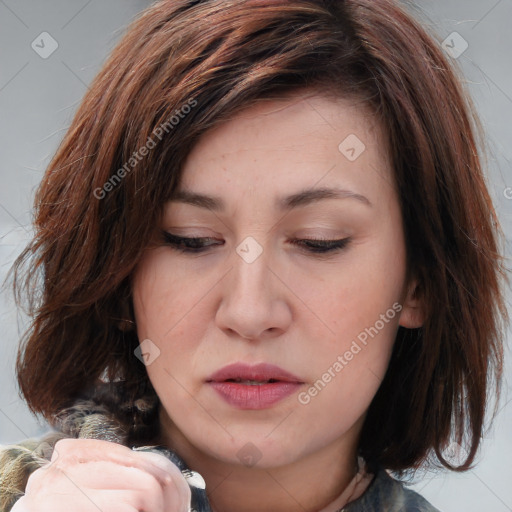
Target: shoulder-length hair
point(186, 66)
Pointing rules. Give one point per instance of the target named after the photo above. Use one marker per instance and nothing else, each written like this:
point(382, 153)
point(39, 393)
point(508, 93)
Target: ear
point(412, 315)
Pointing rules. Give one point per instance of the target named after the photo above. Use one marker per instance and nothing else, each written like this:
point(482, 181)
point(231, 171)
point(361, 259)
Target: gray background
point(39, 96)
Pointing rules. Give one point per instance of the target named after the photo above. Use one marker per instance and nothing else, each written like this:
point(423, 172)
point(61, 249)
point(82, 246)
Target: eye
point(201, 244)
point(186, 244)
point(320, 245)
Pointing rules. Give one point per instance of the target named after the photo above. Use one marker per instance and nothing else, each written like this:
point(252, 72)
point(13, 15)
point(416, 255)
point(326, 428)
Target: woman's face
point(281, 172)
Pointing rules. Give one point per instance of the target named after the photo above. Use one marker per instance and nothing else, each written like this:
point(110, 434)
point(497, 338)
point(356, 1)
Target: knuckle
point(64, 462)
point(161, 462)
point(178, 490)
point(65, 445)
point(148, 491)
point(147, 482)
point(68, 453)
point(64, 450)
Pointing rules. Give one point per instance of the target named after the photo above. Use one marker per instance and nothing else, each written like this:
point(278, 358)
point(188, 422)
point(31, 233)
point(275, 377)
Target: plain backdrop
point(41, 85)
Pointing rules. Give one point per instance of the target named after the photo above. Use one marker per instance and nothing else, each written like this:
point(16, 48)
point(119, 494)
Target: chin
point(253, 448)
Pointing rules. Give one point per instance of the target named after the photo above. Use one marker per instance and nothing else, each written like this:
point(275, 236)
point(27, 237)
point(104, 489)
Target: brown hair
point(218, 57)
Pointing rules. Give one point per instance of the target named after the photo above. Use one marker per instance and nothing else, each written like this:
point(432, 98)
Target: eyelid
point(179, 238)
point(312, 245)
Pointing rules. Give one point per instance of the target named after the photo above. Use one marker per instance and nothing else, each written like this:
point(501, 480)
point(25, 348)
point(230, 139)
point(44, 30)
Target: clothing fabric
point(87, 419)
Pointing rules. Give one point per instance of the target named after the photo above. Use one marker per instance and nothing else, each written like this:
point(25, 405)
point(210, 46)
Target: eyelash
point(311, 245)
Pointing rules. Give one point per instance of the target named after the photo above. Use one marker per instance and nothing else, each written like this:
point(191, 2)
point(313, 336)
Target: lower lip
point(260, 396)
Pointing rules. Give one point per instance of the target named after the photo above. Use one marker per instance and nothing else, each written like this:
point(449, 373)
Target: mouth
point(253, 375)
point(252, 382)
point(253, 387)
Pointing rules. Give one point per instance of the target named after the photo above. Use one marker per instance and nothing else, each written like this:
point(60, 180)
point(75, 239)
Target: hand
point(88, 475)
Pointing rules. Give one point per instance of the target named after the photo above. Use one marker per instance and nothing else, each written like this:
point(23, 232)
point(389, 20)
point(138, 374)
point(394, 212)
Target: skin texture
point(289, 307)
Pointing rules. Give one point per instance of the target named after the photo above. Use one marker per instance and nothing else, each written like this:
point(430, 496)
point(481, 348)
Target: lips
point(260, 373)
point(253, 387)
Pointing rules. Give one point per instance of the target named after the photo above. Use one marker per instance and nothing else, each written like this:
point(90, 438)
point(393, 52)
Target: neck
point(309, 484)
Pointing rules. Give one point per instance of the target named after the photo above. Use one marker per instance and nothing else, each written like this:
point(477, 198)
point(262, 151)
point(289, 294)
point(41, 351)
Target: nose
point(255, 302)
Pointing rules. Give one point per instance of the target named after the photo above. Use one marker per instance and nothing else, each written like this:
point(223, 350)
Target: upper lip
point(257, 372)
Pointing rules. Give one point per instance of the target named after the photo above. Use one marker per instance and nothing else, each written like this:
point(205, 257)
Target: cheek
point(161, 297)
point(347, 375)
point(343, 299)
point(172, 310)
point(359, 305)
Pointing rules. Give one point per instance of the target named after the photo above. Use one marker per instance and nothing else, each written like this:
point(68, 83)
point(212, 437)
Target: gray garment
point(385, 494)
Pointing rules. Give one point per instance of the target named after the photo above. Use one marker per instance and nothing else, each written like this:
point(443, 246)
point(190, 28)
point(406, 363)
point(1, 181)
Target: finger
point(177, 493)
point(92, 501)
point(164, 463)
point(177, 498)
point(139, 500)
point(73, 451)
point(80, 483)
point(109, 475)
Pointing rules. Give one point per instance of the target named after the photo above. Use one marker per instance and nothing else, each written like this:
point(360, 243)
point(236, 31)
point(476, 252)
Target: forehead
point(292, 142)
point(288, 122)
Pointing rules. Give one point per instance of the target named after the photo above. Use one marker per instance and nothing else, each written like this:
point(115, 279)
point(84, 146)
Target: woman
point(267, 252)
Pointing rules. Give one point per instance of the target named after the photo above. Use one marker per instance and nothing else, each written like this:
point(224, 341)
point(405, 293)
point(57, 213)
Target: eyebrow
point(302, 198)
